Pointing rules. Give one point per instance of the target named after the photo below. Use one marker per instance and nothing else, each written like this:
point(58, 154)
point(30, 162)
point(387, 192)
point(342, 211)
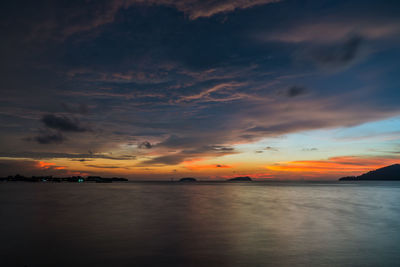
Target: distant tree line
point(72, 179)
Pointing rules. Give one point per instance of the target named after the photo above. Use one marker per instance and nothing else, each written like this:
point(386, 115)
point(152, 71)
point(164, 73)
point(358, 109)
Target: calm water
point(156, 224)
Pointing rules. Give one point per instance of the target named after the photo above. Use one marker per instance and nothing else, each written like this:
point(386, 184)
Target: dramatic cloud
point(62, 123)
point(50, 138)
point(168, 82)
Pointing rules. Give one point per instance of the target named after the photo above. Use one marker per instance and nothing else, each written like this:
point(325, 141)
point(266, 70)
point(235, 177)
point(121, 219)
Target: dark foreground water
point(156, 224)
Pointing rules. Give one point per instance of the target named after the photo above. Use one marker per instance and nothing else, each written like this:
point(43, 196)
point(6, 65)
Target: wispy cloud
point(197, 8)
point(345, 165)
point(70, 21)
point(195, 167)
point(328, 31)
point(206, 94)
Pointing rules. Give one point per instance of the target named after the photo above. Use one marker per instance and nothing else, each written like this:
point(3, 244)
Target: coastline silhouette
point(240, 179)
point(72, 179)
point(388, 173)
point(99, 179)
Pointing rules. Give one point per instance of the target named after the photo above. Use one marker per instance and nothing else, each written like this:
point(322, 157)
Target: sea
point(200, 224)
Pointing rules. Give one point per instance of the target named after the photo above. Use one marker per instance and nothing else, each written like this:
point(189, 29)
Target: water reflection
point(200, 225)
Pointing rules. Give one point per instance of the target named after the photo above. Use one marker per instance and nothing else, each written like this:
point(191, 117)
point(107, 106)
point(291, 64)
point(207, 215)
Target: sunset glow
point(154, 90)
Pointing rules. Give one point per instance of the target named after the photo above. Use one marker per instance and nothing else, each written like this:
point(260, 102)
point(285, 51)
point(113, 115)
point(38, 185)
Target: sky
point(162, 89)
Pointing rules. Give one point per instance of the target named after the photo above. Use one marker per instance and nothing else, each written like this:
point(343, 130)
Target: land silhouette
point(388, 173)
point(240, 179)
point(99, 179)
point(72, 179)
point(188, 179)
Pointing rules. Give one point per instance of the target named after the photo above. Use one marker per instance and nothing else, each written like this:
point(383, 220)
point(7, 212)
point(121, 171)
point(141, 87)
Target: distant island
point(72, 179)
point(188, 179)
point(388, 173)
point(240, 179)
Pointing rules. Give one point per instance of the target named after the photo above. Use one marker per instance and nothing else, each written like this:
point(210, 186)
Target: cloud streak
point(335, 165)
point(326, 31)
point(94, 15)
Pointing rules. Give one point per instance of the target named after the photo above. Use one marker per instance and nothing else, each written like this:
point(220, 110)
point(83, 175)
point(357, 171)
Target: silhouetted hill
point(240, 179)
point(188, 179)
point(389, 173)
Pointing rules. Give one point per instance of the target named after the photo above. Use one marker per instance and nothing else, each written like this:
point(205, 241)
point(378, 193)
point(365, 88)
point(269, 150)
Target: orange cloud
point(345, 164)
point(49, 165)
point(204, 167)
point(59, 168)
point(190, 161)
point(45, 165)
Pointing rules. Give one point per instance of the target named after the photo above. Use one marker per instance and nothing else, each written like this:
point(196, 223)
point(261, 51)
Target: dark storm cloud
point(62, 123)
point(50, 138)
